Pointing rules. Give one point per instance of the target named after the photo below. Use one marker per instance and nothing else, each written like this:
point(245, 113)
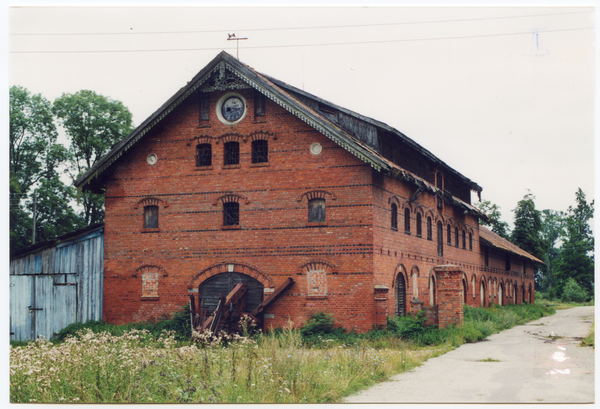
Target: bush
point(572, 292)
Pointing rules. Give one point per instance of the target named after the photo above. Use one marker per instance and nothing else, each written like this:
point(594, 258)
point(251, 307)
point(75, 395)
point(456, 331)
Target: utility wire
point(304, 45)
point(303, 28)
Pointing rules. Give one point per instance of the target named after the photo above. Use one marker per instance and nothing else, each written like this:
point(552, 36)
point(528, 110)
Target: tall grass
point(319, 363)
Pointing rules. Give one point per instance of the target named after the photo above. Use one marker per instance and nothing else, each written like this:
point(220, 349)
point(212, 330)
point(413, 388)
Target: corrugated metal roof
point(490, 238)
point(278, 92)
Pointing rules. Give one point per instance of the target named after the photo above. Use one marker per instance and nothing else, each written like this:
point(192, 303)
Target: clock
point(232, 109)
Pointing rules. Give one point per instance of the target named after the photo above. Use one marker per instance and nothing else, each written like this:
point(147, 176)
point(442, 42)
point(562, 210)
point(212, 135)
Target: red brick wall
point(353, 252)
point(273, 237)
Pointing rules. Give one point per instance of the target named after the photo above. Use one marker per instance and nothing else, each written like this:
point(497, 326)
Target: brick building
point(240, 177)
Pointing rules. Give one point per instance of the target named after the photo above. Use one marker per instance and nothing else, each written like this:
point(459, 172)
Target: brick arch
point(419, 209)
point(433, 296)
point(230, 137)
point(231, 197)
point(201, 139)
point(225, 267)
point(400, 274)
point(150, 268)
point(261, 136)
point(396, 199)
point(317, 265)
point(316, 194)
point(150, 201)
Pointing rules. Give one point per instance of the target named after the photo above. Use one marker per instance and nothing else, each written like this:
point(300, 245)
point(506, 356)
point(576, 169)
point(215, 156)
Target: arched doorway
point(432, 292)
point(400, 295)
point(482, 292)
point(464, 283)
point(500, 293)
point(210, 291)
point(515, 293)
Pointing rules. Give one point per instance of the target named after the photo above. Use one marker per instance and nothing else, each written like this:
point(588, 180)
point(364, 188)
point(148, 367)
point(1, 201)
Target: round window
point(231, 108)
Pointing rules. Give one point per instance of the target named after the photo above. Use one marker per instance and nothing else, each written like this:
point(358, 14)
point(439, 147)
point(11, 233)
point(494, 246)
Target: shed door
point(221, 284)
point(400, 296)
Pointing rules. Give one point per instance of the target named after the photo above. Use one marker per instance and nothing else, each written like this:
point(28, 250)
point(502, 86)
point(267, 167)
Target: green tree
point(572, 292)
point(493, 212)
point(35, 158)
point(577, 252)
point(527, 232)
point(94, 123)
point(551, 232)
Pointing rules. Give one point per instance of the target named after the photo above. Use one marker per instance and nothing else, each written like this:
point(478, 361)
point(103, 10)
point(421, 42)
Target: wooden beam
point(273, 297)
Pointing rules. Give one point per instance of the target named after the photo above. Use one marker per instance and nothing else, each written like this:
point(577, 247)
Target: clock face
point(232, 109)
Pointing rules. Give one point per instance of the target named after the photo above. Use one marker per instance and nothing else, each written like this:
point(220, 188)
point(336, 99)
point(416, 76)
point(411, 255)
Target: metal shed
point(54, 284)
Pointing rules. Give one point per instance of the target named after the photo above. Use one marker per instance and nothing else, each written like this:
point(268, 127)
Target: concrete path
point(539, 362)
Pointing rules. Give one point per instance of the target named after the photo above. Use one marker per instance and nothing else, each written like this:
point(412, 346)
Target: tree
point(94, 123)
point(577, 253)
point(551, 232)
point(528, 227)
point(35, 157)
point(493, 212)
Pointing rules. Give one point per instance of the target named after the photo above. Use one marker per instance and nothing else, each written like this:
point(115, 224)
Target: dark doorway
point(400, 296)
point(221, 284)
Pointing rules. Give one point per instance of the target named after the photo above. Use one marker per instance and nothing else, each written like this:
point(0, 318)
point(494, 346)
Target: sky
point(503, 95)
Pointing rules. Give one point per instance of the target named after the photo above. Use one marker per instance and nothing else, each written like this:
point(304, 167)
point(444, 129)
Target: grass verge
point(318, 363)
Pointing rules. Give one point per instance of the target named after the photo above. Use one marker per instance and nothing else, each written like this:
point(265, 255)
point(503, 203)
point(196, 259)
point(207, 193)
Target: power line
point(303, 45)
point(303, 28)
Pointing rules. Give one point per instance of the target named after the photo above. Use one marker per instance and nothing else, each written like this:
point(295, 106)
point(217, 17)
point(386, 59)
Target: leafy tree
point(32, 134)
point(35, 157)
point(572, 292)
point(551, 232)
point(528, 227)
point(94, 123)
point(577, 252)
point(493, 212)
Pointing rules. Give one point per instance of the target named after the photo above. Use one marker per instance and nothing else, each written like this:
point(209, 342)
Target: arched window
point(407, 220)
point(316, 210)
point(482, 292)
point(464, 239)
point(456, 239)
point(260, 151)
point(151, 217)
point(429, 229)
point(470, 241)
point(419, 229)
point(231, 153)
point(204, 154)
point(440, 239)
point(449, 231)
point(400, 295)
point(432, 292)
point(231, 214)
point(394, 216)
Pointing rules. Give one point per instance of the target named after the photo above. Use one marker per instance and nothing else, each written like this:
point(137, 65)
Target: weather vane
point(232, 37)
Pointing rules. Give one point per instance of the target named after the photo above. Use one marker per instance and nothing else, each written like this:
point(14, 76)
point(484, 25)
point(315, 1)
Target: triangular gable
point(225, 72)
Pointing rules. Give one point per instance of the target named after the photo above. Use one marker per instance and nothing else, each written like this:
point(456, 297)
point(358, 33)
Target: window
point(204, 154)
point(507, 262)
point(449, 235)
point(470, 241)
point(231, 214)
point(260, 151)
point(440, 239)
point(232, 153)
point(394, 216)
point(150, 217)
point(464, 239)
point(259, 104)
point(487, 256)
point(419, 230)
point(316, 210)
point(407, 220)
point(204, 106)
point(456, 238)
point(429, 229)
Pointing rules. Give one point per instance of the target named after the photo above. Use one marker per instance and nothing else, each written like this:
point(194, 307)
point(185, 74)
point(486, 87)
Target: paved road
point(532, 368)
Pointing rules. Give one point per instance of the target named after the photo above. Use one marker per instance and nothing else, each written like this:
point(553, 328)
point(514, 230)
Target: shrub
point(572, 292)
